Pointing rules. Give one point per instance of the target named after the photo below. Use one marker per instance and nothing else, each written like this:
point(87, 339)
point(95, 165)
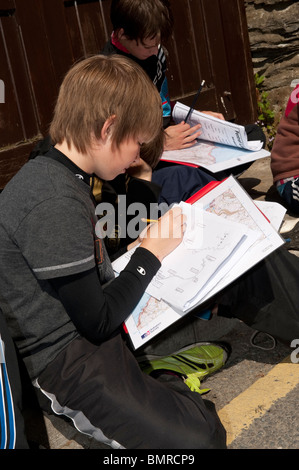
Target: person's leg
point(179, 182)
point(108, 397)
point(267, 297)
point(290, 193)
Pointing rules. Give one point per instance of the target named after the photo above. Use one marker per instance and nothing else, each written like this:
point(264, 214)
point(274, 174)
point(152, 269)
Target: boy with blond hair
point(61, 301)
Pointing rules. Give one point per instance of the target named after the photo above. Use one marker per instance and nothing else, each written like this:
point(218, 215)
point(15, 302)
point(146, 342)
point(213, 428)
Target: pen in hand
point(194, 101)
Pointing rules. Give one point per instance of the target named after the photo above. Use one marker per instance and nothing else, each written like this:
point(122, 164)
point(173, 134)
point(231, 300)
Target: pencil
point(194, 101)
point(148, 220)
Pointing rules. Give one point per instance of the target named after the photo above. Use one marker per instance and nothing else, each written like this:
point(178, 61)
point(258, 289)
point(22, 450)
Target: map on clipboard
point(250, 238)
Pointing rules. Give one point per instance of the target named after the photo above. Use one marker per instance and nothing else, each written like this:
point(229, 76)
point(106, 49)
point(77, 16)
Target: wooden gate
point(41, 39)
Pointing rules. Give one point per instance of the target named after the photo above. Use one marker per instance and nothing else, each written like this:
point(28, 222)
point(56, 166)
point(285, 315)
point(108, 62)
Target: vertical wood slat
point(6, 5)
point(89, 26)
point(185, 49)
point(239, 59)
point(10, 123)
point(58, 39)
point(16, 125)
point(198, 51)
point(218, 57)
point(38, 56)
point(184, 74)
point(11, 161)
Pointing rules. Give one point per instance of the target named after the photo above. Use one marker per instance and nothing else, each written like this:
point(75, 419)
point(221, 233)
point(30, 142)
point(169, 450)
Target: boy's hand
point(178, 136)
point(163, 236)
point(141, 170)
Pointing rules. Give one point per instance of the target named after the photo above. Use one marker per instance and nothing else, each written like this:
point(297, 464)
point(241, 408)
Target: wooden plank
point(88, 26)
point(239, 60)
point(77, 44)
point(6, 5)
point(19, 78)
point(196, 52)
point(218, 57)
point(36, 45)
point(208, 98)
point(17, 113)
point(185, 47)
point(58, 39)
point(105, 8)
point(12, 160)
point(188, 61)
point(10, 122)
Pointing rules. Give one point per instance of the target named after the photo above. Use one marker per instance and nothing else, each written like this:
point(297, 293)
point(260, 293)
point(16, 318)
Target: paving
point(255, 394)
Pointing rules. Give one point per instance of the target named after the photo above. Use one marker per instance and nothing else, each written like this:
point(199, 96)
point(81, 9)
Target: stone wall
point(274, 41)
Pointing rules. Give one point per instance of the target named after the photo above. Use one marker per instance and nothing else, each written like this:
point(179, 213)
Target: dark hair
point(151, 152)
point(142, 19)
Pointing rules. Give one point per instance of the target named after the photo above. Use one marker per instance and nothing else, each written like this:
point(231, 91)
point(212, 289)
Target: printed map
point(148, 310)
point(229, 201)
point(229, 206)
point(214, 157)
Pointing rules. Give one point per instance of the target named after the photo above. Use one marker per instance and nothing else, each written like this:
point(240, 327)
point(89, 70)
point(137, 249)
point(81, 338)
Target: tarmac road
point(257, 393)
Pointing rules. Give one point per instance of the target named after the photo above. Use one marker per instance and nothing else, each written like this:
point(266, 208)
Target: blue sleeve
point(165, 99)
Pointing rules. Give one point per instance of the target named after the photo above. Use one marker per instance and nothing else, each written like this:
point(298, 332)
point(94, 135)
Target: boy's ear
point(107, 128)
point(120, 33)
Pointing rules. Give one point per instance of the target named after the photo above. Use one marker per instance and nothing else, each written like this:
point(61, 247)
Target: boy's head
point(103, 88)
point(145, 22)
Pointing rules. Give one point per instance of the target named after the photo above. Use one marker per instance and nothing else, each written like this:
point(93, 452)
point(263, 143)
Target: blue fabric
point(7, 421)
point(12, 429)
point(179, 182)
point(204, 315)
point(280, 188)
point(165, 99)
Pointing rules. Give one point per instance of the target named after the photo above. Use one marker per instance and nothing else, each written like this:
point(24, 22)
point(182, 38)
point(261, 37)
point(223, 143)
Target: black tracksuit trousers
point(107, 395)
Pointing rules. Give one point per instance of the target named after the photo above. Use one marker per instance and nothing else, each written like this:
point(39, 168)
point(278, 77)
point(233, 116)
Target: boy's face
point(141, 49)
point(110, 161)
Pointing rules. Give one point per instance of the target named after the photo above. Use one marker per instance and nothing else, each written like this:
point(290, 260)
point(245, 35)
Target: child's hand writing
point(163, 236)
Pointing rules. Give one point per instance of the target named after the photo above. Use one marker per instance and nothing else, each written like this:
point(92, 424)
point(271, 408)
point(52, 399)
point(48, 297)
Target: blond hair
point(98, 88)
